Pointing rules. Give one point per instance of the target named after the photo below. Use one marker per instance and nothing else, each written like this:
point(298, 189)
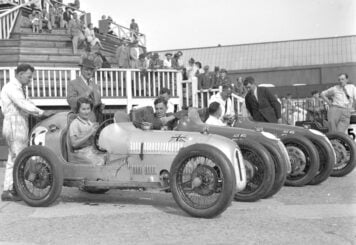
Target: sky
point(178, 24)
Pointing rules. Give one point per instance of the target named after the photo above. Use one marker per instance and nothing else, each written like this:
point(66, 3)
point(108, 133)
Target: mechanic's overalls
point(15, 108)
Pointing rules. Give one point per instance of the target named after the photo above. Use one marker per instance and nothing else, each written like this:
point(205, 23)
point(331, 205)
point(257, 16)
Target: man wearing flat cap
point(84, 86)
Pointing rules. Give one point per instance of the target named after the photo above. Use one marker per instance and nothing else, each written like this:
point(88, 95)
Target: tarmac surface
point(323, 214)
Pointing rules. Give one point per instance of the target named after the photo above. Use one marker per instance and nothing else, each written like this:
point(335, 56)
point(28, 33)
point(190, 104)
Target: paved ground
point(324, 214)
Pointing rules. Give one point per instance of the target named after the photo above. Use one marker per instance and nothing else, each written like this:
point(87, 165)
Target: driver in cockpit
point(81, 132)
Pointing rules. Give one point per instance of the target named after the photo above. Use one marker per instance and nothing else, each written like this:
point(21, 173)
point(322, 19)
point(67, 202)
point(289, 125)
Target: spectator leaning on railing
point(340, 100)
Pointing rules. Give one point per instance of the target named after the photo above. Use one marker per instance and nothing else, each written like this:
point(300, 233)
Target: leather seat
point(143, 114)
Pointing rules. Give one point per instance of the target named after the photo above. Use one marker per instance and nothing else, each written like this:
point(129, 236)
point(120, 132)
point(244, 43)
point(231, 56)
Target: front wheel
point(304, 159)
point(202, 180)
point(260, 173)
point(38, 176)
point(345, 150)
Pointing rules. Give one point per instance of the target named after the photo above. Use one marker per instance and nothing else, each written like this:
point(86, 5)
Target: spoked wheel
point(304, 160)
point(260, 173)
point(202, 181)
point(38, 176)
point(345, 150)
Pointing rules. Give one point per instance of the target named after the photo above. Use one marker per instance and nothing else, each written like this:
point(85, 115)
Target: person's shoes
point(10, 196)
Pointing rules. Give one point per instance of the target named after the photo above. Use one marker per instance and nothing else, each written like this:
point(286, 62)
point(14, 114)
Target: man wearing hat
point(167, 62)
point(84, 86)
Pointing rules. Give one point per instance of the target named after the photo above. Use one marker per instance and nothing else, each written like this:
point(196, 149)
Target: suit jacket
point(266, 109)
point(79, 88)
point(123, 56)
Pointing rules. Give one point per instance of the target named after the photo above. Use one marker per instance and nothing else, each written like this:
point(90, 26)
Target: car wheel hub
point(297, 159)
point(204, 180)
point(341, 153)
point(250, 169)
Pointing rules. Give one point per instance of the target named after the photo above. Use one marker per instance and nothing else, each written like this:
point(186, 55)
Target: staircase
point(47, 49)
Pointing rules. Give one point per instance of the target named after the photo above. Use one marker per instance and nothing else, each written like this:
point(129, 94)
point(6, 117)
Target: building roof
point(282, 54)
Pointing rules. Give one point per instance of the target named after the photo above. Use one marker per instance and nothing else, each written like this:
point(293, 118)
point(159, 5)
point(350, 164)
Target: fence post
point(11, 74)
point(194, 92)
point(128, 90)
point(179, 86)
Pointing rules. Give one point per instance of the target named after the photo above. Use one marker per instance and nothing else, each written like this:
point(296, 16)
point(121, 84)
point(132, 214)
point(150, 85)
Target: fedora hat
point(87, 63)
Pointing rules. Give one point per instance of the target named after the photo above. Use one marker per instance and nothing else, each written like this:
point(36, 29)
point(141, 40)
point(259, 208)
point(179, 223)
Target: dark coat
point(266, 109)
point(78, 88)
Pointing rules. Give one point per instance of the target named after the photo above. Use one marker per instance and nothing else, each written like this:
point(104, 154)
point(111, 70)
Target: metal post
point(128, 90)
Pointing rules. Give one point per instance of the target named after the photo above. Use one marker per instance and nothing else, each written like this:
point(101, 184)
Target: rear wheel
point(345, 150)
point(260, 171)
point(38, 176)
point(304, 159)
point(202, 181)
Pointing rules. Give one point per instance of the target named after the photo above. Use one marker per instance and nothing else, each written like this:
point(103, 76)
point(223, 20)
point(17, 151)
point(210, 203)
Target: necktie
point(24, 91)
point(347, 95)
point(225, 107)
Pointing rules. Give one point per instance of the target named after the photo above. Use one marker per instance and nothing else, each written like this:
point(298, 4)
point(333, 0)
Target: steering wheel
point(98, 131)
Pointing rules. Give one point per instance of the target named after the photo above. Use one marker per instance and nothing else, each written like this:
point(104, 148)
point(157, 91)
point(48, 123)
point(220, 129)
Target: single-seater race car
point(312, 165)
point(265, 157)
point(343, 143)
point(203, 171)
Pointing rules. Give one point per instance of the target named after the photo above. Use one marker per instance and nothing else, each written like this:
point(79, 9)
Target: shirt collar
point(17, 83)
point(82, 120)
point(85, 80)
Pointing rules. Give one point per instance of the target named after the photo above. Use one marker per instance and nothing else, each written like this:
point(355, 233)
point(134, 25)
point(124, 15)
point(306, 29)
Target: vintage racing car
point(265, 157)
point(344, 145)
point(203, 171)
point(312, 165)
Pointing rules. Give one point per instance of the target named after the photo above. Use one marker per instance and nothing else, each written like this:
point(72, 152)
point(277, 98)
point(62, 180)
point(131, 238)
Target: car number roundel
point(38, 136)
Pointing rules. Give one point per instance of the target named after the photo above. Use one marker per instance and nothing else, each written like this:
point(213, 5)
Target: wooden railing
point(126, 87)
point(8, 20)
point(125, 33)
point(192, 97)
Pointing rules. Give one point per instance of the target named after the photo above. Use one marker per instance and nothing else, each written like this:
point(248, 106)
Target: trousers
point(338, 119)
point(15, 131)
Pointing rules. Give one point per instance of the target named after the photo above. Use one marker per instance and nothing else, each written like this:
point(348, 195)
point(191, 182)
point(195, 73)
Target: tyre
point(280, 170)
point(38, 176)
point(326, 163)
point(259, 171)
point(94, 190)
point(345, 150)
point(304, 158)
point(202, 180)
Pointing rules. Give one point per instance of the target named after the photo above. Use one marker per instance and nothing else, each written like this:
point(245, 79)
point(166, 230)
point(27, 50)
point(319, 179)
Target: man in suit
point(84, 86)
point(261, 103)
point(123, 55)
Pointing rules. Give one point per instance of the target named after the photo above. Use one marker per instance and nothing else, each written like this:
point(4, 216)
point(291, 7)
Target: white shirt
point(214, 121)
point(16, 108)
point(229, 109)
point(339, 97)
point(167, 63)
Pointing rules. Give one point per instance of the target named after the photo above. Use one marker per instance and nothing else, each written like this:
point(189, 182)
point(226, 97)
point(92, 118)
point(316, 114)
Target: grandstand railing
point(126, 33)
point(118, 87)
point(8, 20)
point(193, 97)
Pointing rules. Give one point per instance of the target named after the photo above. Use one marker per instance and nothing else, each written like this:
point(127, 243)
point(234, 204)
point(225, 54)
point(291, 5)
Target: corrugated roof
point(307, 52)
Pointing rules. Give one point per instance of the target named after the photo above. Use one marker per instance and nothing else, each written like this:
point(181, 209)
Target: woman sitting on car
point(81, 132)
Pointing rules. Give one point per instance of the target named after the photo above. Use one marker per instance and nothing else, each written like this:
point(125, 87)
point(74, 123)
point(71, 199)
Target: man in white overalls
point(16, 108)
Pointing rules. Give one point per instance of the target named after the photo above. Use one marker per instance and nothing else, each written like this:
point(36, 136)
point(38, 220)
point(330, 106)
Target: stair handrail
point(127, 33)
point(8, 19)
